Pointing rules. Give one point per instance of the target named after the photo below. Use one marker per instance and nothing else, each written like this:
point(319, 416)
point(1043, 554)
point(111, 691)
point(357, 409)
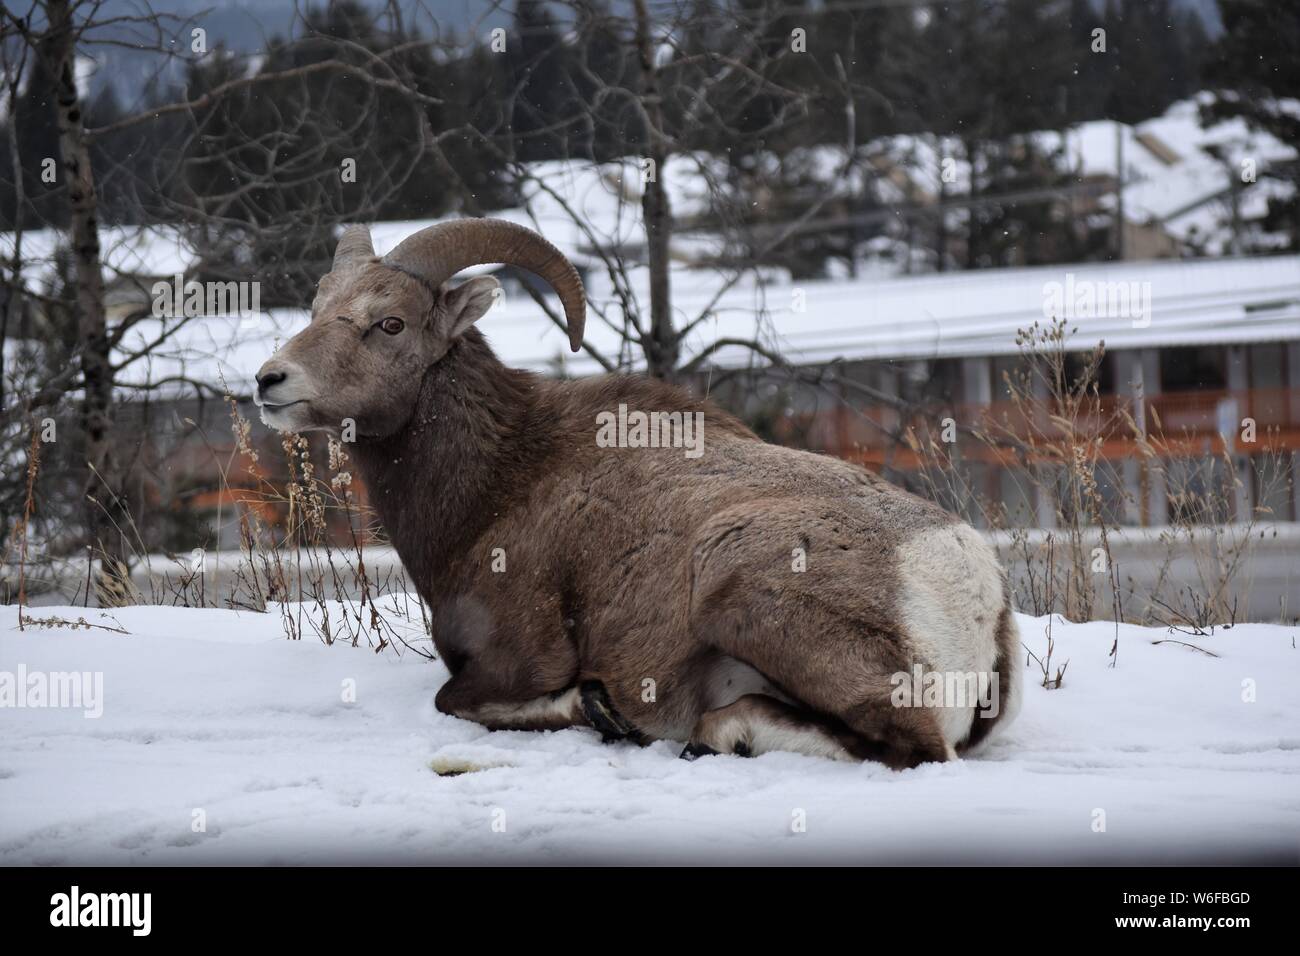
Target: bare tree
point(245, 123)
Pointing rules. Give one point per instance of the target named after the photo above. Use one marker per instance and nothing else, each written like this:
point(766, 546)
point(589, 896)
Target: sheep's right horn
point(438, 252)
point(354, 244)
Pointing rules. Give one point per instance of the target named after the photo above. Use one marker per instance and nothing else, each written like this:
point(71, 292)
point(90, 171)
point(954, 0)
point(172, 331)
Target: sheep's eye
point(392, 325)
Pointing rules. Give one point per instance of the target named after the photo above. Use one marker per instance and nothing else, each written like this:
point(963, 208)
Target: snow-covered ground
point(221, 742)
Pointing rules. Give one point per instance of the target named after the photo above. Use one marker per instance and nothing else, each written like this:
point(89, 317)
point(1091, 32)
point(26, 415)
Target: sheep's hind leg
point(757, 724)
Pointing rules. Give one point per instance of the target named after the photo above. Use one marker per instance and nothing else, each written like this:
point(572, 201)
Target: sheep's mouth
point(290, 416)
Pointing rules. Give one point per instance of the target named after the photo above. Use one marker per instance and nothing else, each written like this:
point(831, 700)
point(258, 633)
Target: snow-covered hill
point(221, 742)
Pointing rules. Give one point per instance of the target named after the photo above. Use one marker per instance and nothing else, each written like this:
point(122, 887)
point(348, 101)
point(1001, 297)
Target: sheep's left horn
point(438, 252)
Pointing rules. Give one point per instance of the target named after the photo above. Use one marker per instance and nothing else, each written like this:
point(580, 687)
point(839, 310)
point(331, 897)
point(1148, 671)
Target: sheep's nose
point(268, 377)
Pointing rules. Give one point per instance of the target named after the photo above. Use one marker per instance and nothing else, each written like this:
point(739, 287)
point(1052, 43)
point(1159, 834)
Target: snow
point(144, 251)
point(84, 70)
point(1187, 194)
point(214, 711)
point(216, 350)
point(577, 204)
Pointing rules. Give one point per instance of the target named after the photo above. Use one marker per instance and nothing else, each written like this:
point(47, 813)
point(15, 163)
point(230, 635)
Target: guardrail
point(1267, 588)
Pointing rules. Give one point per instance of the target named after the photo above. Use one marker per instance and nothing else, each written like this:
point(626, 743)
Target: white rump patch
point(951, 601)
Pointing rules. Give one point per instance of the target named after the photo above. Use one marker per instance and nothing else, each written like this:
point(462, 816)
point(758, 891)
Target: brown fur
point(623, 565)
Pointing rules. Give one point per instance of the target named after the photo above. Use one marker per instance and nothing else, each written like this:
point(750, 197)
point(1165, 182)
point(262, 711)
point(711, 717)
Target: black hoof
point(695, 751)
point(600, 713)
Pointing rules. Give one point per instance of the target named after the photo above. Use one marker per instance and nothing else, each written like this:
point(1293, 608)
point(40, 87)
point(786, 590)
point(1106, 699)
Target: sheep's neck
point(473, 443)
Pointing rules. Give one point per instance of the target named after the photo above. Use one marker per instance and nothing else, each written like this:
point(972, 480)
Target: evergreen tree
point(541, 91)
point(1255, 73)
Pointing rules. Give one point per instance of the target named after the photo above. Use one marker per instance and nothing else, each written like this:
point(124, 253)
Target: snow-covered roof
point(953, 314)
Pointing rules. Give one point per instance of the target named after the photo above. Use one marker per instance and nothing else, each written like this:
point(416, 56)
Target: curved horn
point(438, 252)
point(354, 244)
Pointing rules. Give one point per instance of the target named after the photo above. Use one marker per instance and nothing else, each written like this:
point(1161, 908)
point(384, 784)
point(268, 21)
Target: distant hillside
point(245, 25)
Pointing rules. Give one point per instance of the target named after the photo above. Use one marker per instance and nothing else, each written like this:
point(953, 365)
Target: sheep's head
point(377, 324)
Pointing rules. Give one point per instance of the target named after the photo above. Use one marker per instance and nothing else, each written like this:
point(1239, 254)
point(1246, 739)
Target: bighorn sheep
point(748, 599)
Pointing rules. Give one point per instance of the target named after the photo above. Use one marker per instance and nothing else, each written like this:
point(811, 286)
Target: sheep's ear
point(466, 304)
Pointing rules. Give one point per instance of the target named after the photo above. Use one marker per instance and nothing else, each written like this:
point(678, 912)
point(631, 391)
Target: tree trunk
point(96, 369)
point(941, 240)
point(973, 230)
point(663, 350)
point(13, 300)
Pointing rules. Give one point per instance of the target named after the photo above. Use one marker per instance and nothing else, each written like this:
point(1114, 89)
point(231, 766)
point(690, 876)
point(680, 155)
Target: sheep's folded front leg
point(462, 697)
point(583, 705)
